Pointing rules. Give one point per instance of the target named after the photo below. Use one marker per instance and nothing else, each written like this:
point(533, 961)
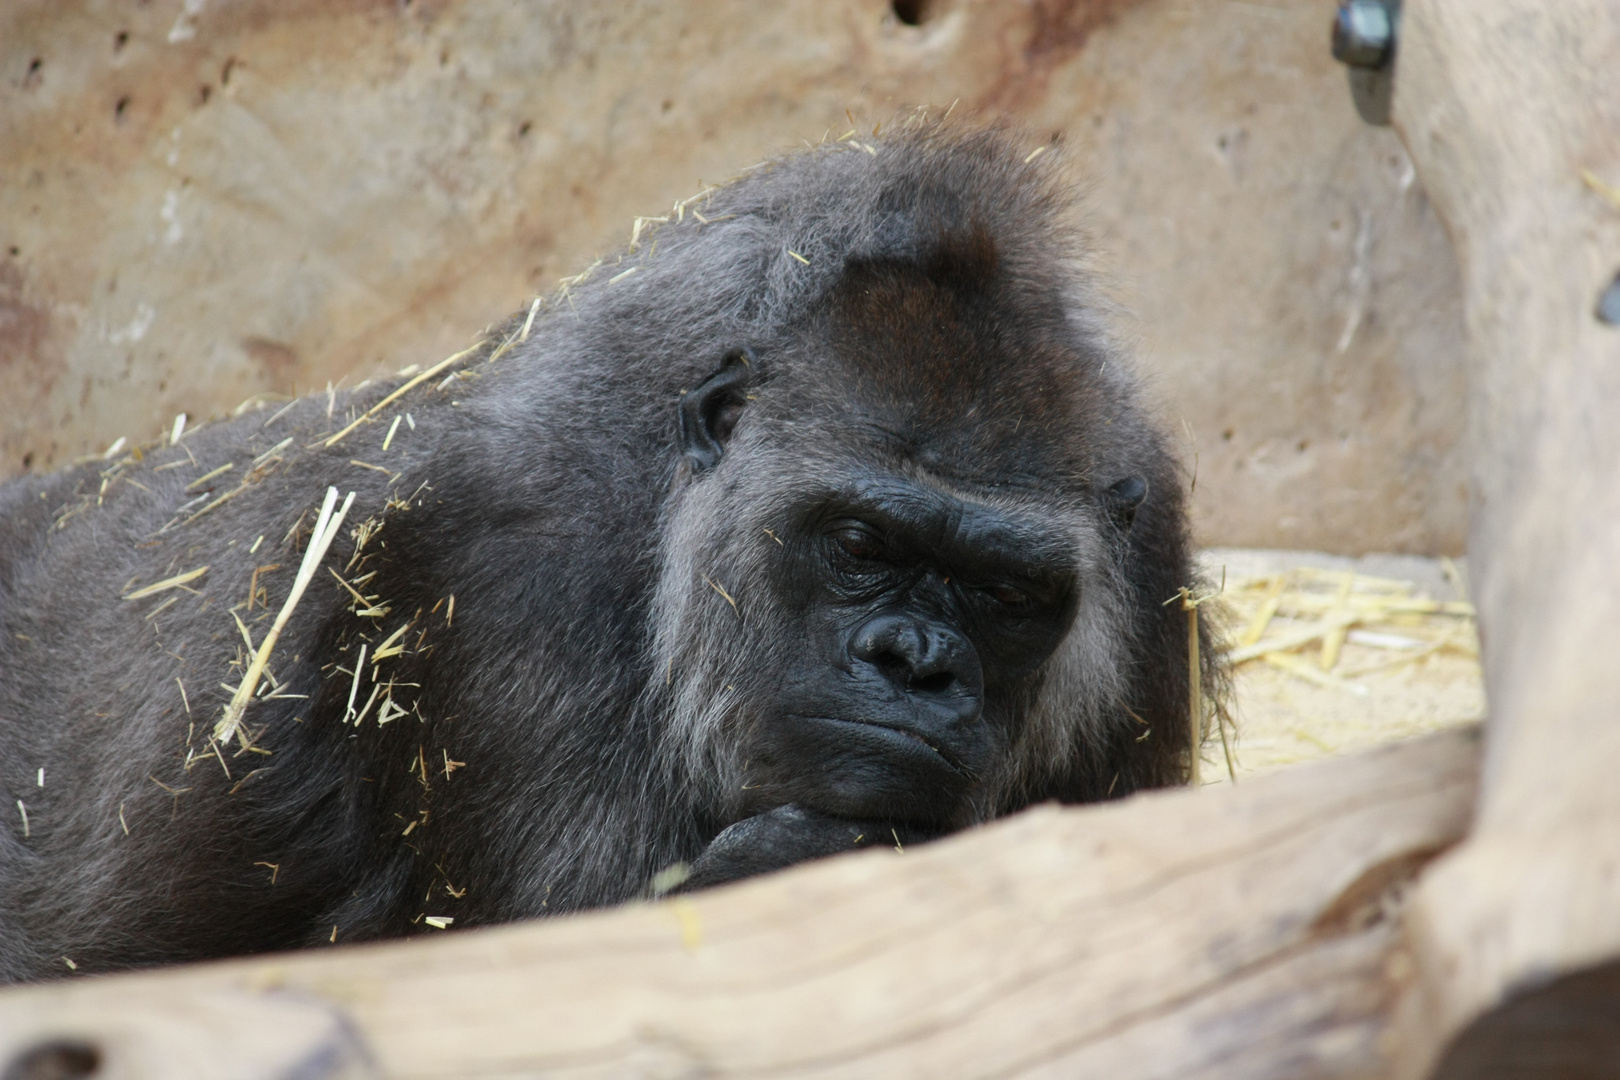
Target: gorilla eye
point(858, 544)
point(1006, 594)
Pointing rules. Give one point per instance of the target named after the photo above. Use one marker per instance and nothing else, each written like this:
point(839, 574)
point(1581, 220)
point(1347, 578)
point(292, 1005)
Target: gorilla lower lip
point(911, 736)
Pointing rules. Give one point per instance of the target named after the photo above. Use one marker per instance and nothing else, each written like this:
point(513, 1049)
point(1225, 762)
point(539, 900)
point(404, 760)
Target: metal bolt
point(1364, 34)
point(1608, 305)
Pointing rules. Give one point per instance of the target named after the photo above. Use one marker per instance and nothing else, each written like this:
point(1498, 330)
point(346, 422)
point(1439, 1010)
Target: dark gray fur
point(594, 681)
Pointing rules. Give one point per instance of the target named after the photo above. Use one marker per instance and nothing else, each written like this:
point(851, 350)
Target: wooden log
point(1510, 110)
point(1220, 933)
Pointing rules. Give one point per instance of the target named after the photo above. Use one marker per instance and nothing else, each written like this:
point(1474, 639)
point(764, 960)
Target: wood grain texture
point(1503, 104)
point(1232, 932)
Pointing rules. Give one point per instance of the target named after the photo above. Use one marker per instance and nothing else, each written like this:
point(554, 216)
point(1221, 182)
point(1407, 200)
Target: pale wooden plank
point(1060, 936)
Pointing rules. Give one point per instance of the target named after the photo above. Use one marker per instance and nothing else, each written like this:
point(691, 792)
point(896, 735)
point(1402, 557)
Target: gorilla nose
point(924, 659)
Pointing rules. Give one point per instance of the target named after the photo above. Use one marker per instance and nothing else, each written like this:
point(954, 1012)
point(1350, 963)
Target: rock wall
point(205, 201)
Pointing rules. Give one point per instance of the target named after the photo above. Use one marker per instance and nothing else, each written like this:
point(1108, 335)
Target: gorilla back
point(822, 515)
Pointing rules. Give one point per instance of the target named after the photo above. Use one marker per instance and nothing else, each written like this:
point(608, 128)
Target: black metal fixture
point(1365, 34)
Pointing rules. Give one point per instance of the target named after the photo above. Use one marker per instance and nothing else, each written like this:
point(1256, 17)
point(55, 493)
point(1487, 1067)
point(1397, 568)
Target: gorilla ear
point(1122, 499)
point(709, 413)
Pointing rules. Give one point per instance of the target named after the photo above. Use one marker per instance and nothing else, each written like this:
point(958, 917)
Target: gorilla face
point(908, 610)
point(919, 615)
point(938, 626)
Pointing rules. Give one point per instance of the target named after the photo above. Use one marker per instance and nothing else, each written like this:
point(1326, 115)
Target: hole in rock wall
point(911, 12)
point(59, 1059)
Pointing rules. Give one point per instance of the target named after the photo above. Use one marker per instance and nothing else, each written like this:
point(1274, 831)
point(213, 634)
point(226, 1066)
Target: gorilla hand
point(790, 834)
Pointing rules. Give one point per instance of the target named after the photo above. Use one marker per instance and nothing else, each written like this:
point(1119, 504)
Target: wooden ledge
point(1235, 931)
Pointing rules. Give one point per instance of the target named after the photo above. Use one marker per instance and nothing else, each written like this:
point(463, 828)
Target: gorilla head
point(918, 544)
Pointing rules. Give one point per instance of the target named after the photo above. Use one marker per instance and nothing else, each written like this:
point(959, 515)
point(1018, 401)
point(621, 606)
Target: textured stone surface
point(200, 202)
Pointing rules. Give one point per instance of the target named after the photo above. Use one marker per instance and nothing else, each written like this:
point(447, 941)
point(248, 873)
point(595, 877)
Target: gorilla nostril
point(917, 657)
point(891, 664)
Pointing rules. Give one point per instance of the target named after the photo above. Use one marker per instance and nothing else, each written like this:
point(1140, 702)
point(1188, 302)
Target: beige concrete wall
point(205, 200)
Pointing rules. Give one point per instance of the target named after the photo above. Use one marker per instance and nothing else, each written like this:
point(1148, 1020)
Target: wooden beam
point(1226, 932)
point(1510, 113)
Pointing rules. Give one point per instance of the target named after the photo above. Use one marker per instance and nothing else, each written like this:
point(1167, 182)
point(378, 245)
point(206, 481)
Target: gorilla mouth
point(906, 740)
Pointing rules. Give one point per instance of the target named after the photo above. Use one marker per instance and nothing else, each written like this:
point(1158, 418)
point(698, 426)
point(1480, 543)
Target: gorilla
point(823, 515)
